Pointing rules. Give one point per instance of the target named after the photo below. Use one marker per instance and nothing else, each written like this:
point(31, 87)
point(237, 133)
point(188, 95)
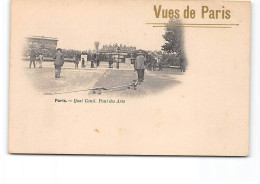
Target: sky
point(79, 25)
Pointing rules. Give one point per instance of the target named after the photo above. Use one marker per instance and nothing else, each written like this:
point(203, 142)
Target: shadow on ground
point(75, 81)
point(155, 82)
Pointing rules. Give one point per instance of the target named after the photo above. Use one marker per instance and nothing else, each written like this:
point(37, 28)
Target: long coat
point(139, 62)
point(32, 55)
point(59, 59)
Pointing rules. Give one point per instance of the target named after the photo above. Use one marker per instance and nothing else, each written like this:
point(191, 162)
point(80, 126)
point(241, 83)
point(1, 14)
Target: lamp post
point(117, 64)
point(132, 59)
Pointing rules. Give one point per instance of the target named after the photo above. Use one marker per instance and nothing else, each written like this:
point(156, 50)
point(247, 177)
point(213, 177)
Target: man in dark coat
point(83, 63)
point(77, 59)
point(139, 66)
point(92, 58)
point(32, 58)
point(58, 62)
point(97, 60)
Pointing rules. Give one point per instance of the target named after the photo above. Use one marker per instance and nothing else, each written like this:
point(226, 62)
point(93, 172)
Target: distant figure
point(83, 63)
point(92, 61)
point(149, 66)
point(32, 58)
point(139, 66)
point(117, 63)
point(153, 64)
point(94, 58)
point(76, 63)
point(40, 60)
point(97, 60)
point(77, 59)
point(58, 62)
point(110, 61)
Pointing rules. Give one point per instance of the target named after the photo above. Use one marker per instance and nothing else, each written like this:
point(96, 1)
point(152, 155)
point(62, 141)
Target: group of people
point(58, 61)
point(139, 64)
point(153, 63)
point(33, 59)
point(77, 60)
point(94, 60)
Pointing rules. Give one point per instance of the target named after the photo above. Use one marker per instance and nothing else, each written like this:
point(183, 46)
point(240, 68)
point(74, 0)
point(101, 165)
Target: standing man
point(110, 61)
point(98, 60)
point(32, 58)
point(76, 62)
point(139, 66)
point(40, 60)
point(94, 59)
point(92, 63)
point(117, 64)
point(58, 62)
point(83, 63)
point(77, 59)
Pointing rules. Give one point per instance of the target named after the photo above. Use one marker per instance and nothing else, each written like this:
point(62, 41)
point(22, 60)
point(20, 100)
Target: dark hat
point(139, 53)
point(59, 49)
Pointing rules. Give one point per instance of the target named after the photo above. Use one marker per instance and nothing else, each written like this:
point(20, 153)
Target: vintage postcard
point(130, 77)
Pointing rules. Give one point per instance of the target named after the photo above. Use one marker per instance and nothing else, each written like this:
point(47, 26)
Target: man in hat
point(97, 59)
point(58, 62)
point(139, 66)
point(83, 63)
point(32, 58)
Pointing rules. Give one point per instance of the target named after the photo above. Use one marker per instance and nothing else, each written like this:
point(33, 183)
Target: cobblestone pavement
point(73, 80)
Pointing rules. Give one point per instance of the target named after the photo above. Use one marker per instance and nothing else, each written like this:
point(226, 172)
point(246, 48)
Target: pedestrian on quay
point(83, 63)
point(32, 58)
point(92, 63)
point(97, 60)
point(92, 60)
point(58, 62)
point(110, 61)
point(40, 60)
point(76, 62)
point(117, 62)
point(139, 66)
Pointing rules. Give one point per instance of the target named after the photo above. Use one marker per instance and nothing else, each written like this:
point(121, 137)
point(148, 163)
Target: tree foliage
point(174, 46)
point(173, 37)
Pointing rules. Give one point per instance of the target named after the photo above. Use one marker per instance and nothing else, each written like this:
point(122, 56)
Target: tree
point(174, 40)
point(173, 37)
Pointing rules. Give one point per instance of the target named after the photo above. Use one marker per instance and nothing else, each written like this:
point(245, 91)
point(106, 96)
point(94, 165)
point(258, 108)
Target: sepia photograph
point(132, 69)
point(129, 77)
point(130, 91)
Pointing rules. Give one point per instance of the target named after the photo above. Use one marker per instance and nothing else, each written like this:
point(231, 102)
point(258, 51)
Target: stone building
point(42, 42)
point(117, 48)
